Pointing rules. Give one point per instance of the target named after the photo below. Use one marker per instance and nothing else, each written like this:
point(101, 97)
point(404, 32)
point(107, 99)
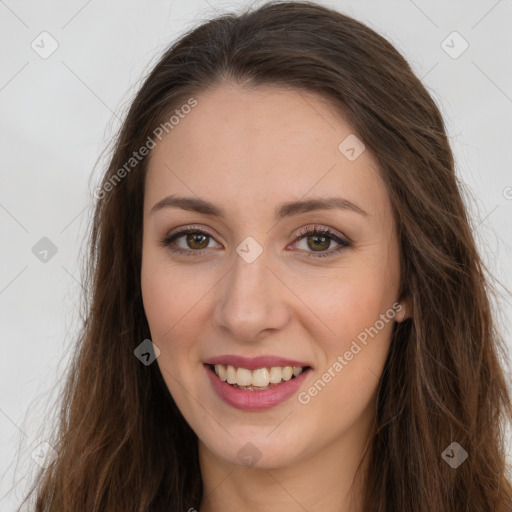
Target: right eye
point(192, 236)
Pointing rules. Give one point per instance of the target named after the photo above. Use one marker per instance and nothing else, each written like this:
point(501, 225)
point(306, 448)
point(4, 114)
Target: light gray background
point(58, 113)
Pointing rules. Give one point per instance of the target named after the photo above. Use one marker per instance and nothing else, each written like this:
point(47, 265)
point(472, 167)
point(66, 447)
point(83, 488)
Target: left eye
point(317, 239)
point(320, 238)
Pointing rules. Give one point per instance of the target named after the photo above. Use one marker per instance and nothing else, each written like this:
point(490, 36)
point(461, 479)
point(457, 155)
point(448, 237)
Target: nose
point(252, 300)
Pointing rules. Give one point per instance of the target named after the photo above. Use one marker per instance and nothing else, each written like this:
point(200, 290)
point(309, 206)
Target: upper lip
point(252, 363)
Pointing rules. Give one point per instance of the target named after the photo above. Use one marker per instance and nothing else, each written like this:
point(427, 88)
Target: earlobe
point(403, 311)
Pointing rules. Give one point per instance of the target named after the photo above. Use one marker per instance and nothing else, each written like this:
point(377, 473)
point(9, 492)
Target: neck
point(330, 480)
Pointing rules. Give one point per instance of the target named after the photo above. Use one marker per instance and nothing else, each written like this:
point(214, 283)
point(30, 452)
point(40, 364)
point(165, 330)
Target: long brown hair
point(122, 443)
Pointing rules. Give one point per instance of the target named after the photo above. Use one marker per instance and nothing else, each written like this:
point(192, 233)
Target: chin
point(256, 448)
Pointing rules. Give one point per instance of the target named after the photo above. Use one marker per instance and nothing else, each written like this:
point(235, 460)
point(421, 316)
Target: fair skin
point(247, 150)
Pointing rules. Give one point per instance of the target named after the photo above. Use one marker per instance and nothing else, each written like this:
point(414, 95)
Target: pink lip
point(255, 400)
point(252, 363)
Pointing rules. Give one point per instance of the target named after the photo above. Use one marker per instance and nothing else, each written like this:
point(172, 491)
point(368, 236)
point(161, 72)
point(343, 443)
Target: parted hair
point(122, 443)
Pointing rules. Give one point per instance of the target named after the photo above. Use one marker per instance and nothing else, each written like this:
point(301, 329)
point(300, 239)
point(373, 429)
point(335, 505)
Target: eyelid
point(191, 228)
point(182, 231)
point(318, 229)
point(312, 228)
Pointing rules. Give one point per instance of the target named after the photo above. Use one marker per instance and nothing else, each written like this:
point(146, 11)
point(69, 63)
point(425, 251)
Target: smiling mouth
point(260, 379)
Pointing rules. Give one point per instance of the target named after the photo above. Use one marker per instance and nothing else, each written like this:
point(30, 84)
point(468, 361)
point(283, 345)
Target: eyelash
point(309, 231)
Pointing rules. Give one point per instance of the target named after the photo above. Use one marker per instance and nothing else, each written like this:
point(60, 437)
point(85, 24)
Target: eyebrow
point(283, 210)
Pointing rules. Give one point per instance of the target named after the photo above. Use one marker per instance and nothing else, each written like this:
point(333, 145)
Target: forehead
point(252, 147)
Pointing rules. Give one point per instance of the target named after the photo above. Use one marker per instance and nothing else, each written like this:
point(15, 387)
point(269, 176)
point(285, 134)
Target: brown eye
point(197, 240)
point(318, 242)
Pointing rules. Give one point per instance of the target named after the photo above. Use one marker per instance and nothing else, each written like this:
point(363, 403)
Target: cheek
point(358, 314)
point(363, 327)
point(350, 301)
point(174, 310)
point(342, 392)
point(170, 294)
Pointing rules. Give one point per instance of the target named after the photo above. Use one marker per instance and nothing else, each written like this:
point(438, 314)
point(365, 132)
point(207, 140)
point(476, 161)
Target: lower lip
point(255, 400)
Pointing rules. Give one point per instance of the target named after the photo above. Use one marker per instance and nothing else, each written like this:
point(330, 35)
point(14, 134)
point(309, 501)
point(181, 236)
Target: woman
point(288, 310)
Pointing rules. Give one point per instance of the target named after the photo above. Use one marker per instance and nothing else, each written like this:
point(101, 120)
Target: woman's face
point(252, 283)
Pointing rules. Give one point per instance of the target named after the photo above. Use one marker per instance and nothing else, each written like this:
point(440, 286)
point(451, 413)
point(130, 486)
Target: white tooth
point(260, 377)
point(231, 375)
point(275, 376)
point(220, 370)
point(243, 377)
point(297, 370)
point(287, 372)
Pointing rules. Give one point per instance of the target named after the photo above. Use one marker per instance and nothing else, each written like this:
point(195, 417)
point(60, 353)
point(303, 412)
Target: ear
point(403, 309)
